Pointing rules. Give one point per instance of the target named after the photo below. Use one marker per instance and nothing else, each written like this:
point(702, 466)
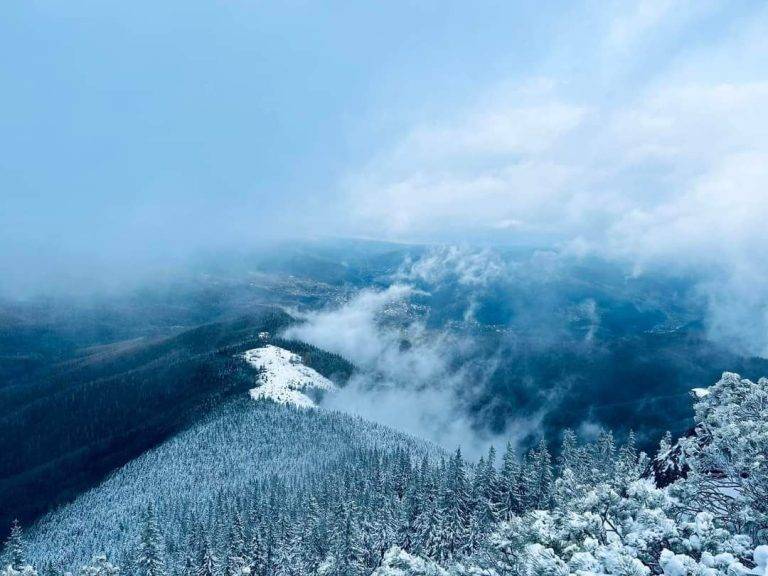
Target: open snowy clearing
point(284, 378)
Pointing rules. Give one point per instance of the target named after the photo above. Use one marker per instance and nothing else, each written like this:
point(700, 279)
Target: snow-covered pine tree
point(290, 557)
point(316, 533)
point(347, 550)
point(569, 451)
point(428, 523)
point(630, 464)
point(605, 455)
point(236, 554)
point(490, 488)
point(15, 561)
point(208, 563)
point(13, 550)
point(546, 483)
point(257, 554)
point(99, 566)
point(456, 510)
point(51, 568)
point(149, 554)
point(509, 485)
point(188, 568)
point(410, 509)
point(485, 501)
point(537, 479)
point(727, 455)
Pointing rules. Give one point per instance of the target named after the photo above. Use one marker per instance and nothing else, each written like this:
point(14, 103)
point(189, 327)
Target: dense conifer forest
point(107, 404)
point(269, 490)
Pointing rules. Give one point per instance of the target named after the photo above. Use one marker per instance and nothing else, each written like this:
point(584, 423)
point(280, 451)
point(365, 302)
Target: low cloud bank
point(410, 379)
point(667, 170)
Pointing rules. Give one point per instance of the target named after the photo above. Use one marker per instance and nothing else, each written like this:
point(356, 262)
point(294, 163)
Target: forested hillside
point(247, 459)
point(70, 423)
point(89, 383)
point(267, 490)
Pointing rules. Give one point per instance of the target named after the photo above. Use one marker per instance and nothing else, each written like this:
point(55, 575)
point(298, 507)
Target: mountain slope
point(233, 452)
point(63, 431)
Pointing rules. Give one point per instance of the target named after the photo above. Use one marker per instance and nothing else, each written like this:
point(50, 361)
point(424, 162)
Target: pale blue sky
point(117, 115)
point(134, 131)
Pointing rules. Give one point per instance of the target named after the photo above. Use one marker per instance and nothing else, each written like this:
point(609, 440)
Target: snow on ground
point(284, 377)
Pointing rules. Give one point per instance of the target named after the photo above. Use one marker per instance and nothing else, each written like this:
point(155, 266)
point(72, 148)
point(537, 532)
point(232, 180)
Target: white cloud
point(681, 122)
point(428, 202)
point(421, 388)
point(504, 128)
point(467, 266)
point(351, 330)
point(673, 174)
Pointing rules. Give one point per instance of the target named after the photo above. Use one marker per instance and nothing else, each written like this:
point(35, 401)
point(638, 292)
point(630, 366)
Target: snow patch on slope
point(283, 377)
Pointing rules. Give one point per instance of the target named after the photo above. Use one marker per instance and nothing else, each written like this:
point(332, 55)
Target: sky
point(137, 132)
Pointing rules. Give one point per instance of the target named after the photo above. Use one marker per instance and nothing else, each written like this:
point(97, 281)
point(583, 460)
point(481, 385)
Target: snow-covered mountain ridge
point(241, 455)
point(283, 378)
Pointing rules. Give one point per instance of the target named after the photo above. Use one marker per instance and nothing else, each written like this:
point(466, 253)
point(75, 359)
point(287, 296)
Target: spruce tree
point(149, 557)
point(316, 531)
point(14, 547)
point(568, 451)
point(545, 479)
point(290, 555)
point(509, 485)
point(604, 456)
point(492, 487)
point(628, 465)
point(189, 568)
point(257, 554)
point(456, 509)
point(236, 551)
point(208, 563)
point(409, 513)
point(428, 519)
point(348, 552)
point(99, 566)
